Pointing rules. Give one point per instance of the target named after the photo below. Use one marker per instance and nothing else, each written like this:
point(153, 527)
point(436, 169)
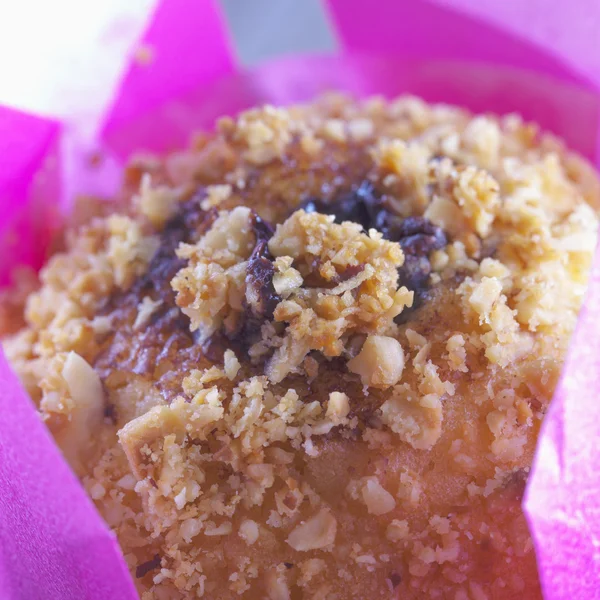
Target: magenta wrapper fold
point(536, 57)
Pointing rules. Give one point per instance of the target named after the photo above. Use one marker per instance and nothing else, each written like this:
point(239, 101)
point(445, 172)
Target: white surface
point(64, 57)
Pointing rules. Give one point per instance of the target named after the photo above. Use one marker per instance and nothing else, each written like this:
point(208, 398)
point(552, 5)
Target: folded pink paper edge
point(69, 557)
point(530, 495)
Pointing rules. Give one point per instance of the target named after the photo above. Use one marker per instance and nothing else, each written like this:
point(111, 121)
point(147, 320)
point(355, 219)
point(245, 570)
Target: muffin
point(309, 357)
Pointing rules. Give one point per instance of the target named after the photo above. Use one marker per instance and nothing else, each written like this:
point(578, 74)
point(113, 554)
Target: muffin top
point(309, 356)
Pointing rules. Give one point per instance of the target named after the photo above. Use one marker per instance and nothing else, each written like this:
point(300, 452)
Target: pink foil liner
point(53, 545)
point(29, 166)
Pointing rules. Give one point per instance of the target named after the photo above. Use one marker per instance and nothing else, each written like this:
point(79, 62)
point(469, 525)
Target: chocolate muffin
point(309, 357)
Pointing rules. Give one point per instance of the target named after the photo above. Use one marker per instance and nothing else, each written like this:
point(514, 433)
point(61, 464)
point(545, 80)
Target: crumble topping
point(354, 289)
point(309, 356)
point(210, 291)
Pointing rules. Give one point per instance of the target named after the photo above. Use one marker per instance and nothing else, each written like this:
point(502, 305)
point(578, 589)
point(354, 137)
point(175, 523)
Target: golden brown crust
point(338, 406)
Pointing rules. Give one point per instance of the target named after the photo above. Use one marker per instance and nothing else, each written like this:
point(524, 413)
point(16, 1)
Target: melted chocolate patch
point(186, 226)
point(360, 205)
point(166, 339)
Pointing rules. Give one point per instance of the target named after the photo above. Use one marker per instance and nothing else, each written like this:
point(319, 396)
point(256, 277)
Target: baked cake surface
point(308, 358)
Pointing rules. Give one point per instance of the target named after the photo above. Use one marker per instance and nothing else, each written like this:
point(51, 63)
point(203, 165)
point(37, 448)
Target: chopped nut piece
point(377, 499)
point(215, 195)
point(418, 421)
point(287, 279)
point(213, 530)
point(249, 531)
point(190, 528)
point(232, 364)
point(397, 530)
point(145, 310)
point(159, 203)
point(338, 406)
point(84, 401)
point(277, 587)
point(380, 362)
point(318, 532)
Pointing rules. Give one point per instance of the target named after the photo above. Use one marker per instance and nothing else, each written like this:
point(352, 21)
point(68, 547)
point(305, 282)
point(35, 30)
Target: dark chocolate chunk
point(414, 273)
point(262, 230)
point(395, 579)
point(110, 412)
point(418, 237)
point(149, 565)
point(261, 298)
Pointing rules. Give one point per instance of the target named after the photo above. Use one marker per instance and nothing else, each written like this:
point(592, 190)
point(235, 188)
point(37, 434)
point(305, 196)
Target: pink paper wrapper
point(537, 57)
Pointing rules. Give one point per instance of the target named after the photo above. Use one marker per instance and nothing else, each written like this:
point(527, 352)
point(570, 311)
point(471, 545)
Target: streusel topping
point(309, 357)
